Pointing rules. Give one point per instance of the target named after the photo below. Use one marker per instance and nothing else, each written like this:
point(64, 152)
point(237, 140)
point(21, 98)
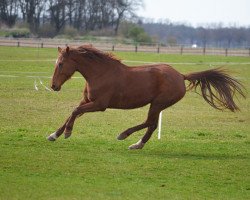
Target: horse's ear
point(67, 50)
point(59, 49)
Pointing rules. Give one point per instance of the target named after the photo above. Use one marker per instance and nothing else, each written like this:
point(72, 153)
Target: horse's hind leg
point(131, 130)
point(152, 122)
point(140, 144)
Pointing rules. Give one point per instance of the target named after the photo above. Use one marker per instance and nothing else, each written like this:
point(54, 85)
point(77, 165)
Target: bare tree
point(31, 12)
point(57, 9)
point(123, 9)
point(8, 12)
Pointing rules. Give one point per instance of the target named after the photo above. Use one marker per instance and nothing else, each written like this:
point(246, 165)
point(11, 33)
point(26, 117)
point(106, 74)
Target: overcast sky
point(199, 12)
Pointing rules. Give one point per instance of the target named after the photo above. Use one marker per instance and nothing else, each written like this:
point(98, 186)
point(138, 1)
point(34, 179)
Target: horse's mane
point(93, 53)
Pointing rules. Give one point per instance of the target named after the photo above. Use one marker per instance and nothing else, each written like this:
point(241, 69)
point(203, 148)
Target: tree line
point(48, 18)
point(83, 15)
point(215, 35)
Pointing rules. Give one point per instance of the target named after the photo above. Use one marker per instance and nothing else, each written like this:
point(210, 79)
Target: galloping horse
point(112, 84)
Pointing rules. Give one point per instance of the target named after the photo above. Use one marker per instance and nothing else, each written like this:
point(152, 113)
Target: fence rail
point(107, 46)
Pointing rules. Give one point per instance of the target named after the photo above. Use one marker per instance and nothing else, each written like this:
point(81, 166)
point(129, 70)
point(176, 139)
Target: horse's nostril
point(55, 88)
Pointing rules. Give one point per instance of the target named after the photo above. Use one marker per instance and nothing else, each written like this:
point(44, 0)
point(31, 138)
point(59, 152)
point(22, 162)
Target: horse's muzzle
point(55, 88)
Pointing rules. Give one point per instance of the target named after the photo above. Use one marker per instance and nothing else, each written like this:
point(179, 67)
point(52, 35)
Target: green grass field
point(203, 153)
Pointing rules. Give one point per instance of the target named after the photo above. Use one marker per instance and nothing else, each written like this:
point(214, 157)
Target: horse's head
point(64, 68)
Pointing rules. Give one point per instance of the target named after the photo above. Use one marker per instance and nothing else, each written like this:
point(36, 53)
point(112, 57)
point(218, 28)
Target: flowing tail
point(217, 88)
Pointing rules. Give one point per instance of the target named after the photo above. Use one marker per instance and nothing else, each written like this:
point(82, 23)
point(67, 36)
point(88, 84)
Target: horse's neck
point(92, 71)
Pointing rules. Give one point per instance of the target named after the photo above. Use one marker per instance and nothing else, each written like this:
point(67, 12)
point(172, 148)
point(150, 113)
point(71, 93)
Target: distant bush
point(134, 32)
point(47, 31)
point(104, 32)
point(15, 33)
point(69, 32)
point(172, 41)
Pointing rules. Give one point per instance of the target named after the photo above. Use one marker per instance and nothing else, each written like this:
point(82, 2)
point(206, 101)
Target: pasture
point(203, 152)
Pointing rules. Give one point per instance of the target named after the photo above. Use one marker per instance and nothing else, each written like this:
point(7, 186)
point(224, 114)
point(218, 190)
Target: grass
point(203, 153)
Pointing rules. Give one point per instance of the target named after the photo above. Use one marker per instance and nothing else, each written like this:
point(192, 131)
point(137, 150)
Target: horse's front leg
point(131, 130)
point(59, 132)
point(80, 110)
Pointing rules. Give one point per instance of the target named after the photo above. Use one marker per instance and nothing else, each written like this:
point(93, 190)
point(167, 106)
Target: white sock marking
point(53, 135)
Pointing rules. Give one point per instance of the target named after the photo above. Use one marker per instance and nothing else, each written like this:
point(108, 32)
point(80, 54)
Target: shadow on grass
point(197, 156)
point(189, 151)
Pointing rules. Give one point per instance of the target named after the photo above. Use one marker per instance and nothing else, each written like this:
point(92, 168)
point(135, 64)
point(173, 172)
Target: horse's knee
point(76, 112)
point(152, 125)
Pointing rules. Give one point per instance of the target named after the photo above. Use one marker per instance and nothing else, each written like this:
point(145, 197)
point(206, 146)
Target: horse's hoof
point(122, 136)
point(52, 137)
point(67, 134)
point(138, 145)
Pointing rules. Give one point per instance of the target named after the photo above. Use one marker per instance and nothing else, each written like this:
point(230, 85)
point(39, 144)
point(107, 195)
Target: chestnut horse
point(112, 84)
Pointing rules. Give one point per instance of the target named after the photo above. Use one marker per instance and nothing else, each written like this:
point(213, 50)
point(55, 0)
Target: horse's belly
point(129, 105)
point(131, 100)
point(137, 90)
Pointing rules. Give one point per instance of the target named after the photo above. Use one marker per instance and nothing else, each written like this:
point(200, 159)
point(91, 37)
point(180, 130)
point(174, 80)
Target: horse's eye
point(60, 65)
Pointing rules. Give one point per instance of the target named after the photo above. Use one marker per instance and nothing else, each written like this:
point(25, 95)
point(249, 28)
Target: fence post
point(113, 47)
point(226, 51)
point(18, 44)
point(249, 51)
point(181, 50)
point(158, 48)
point(136, 48)
point(204, 50)
point(42, 45)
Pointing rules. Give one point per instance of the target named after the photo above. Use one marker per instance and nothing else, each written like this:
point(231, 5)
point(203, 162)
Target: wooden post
point(226, 51)
point(136, 48)
point(113, 47)
point(158, 49)
point(204, 50)
point(181, 50)
point(18, 44)
point(42, 45)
